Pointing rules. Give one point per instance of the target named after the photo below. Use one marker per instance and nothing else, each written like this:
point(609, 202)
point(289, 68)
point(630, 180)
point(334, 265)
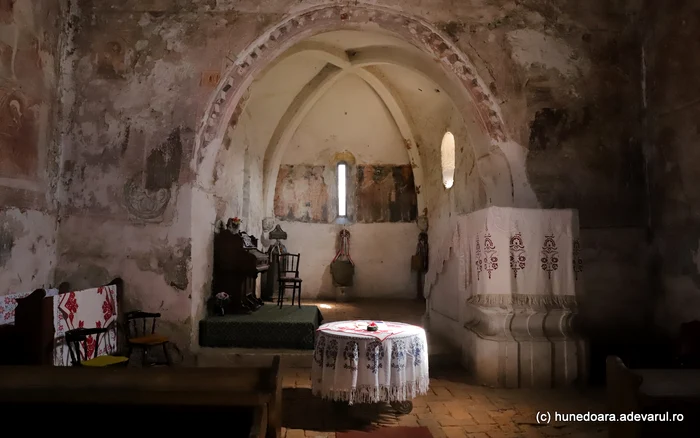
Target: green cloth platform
point(290, 328)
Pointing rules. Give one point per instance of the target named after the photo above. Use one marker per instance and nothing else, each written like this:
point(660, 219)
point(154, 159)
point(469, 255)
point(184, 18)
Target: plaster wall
point(445, 304)
point(134, 92)
point(671, 95)
point(139, 74)
point(29, 52)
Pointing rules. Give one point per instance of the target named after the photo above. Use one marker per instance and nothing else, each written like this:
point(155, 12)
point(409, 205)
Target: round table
point(354, 365)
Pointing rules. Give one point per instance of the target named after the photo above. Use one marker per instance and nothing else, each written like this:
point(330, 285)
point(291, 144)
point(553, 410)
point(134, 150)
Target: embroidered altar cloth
point(90, 308)
point(354, 365)
point(508, 254)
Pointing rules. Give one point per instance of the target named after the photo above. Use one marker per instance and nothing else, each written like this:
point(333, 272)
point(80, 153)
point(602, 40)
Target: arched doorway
point(405, 43)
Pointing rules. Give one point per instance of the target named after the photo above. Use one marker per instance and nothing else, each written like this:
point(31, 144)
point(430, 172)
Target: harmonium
point(237, 264)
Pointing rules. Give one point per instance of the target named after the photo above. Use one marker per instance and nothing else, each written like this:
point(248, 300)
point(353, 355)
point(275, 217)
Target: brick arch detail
point(227, 102)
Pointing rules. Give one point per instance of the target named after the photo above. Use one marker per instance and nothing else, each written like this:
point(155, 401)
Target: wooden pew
point(652, 391)
point(127, 393)
point(35, 325)
point(11, 339)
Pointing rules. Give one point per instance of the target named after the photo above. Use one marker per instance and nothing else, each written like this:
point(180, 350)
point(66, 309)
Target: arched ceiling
point(283, 94)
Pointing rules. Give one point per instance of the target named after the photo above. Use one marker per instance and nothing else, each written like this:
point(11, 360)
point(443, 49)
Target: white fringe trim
point(523, 300)
point(376, 393)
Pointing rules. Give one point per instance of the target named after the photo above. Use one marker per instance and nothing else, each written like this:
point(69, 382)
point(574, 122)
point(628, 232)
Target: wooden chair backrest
point(139, 323)
point(288, 264)
point(77, 343)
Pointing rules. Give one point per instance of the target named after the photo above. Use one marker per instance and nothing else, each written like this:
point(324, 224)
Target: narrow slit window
point(342, 189)
point(447, 152)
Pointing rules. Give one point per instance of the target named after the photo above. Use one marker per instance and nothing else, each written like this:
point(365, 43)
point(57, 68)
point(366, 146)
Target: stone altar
point(516, 277)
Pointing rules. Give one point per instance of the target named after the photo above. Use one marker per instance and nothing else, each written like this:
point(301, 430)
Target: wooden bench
point(127, 393)
point(652, 391)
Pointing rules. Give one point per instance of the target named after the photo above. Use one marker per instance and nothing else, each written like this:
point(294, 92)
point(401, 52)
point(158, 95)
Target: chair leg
point(299, 297)
point(168, 360)
point(144, 357)
point(294, 292)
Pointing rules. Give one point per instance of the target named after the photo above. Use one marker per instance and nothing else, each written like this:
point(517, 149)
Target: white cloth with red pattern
point(90, 308)
point(513, 255)
point(354, 365)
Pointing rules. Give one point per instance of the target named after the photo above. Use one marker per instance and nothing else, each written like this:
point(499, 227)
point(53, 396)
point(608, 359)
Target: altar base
point(288, 327)
point(505, 289)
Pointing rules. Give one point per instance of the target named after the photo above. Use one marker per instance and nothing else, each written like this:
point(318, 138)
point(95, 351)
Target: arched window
point(447, 157)
point(342, 172)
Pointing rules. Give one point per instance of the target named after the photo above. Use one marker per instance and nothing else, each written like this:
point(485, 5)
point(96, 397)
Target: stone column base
point(524, 346)
point(342, 293)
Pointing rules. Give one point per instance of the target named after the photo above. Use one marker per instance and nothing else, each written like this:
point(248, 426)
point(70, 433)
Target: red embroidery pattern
point(75, 310)
point(107, 310)
point(577, 262)
point(89, 347)
point(71, 305)
point(490, 254)
point(550, 255)
point(478, 262)
point(518, 256)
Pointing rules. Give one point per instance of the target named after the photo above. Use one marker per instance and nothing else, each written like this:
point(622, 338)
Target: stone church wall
point(671, 97)
point(139, 75)
point(29, 161)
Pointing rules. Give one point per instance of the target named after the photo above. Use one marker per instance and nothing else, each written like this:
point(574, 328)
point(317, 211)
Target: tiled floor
point(453, 408)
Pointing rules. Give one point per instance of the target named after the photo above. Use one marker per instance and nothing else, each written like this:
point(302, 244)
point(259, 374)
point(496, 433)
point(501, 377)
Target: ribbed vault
point(338, 63)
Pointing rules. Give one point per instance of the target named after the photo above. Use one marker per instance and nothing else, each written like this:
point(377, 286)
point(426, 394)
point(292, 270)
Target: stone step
point(242, 357)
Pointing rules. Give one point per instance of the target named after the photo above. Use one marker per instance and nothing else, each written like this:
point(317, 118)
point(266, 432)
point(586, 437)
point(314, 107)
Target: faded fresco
point(302, 194)
point(22, 89)
point(379, 193)
point(385, 194)
point(18, 141)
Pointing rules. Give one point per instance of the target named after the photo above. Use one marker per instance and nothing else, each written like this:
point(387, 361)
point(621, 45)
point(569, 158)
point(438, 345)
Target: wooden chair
point(288, 276)
point(76, 340)
point(140, 337)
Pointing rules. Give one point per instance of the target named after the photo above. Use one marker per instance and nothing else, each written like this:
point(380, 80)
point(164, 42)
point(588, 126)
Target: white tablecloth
point(356, 366)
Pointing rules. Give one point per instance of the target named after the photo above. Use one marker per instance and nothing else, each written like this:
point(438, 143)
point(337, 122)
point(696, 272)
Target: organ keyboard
point(237, 263)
